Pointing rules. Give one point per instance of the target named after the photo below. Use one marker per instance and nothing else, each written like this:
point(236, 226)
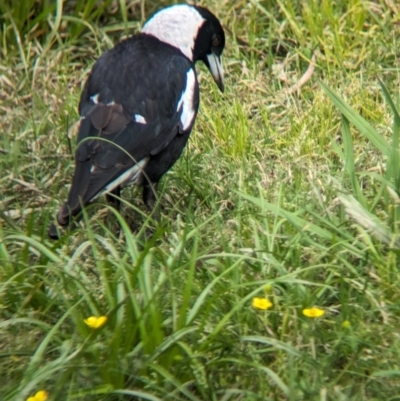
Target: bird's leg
point(112, 200)
point(150, 198)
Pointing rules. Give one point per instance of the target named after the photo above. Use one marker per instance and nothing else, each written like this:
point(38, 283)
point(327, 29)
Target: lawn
point(289, 191)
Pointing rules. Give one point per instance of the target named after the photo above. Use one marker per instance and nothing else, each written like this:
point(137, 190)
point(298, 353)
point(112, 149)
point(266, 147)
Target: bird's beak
point(215, 67)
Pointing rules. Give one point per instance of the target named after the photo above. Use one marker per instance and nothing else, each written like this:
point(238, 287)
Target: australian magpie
point(139, 104)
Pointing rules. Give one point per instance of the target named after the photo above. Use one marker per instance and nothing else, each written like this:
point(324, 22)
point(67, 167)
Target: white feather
point(95, 98)
point(140, 119)
point(130, 176)
point(186, 102)
point(178, 26)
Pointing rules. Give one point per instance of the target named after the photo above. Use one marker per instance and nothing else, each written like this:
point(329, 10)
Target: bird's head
point(195, 31)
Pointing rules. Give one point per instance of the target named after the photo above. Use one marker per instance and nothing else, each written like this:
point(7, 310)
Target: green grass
point(290, 196)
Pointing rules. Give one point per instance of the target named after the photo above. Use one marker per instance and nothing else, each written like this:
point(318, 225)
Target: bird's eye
point(216, 41)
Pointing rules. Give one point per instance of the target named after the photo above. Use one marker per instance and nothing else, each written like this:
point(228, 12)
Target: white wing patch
point(186, 102)
point(140, 119)
point(95, 98)
point(130, 176)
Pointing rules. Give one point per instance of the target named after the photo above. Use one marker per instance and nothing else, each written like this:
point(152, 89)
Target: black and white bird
point(139, 105)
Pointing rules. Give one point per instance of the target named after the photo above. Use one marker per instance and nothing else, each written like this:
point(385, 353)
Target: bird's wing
point(133, 104)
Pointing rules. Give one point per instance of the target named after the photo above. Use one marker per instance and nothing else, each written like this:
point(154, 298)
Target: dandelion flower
point(95, 322)
point(261, 303)
point(313, 312)
point(39, 396)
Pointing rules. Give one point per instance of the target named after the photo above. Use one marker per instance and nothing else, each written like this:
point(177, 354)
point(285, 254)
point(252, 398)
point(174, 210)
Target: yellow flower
point(313, 312)
point(346, 324)
point(95, 322)
point(39, 396)
point(261, 303)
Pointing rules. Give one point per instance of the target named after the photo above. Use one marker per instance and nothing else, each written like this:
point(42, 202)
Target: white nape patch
point(95, 98)
point(186, 102)
point(176, 25)
point(140, 119)
point(130, 176)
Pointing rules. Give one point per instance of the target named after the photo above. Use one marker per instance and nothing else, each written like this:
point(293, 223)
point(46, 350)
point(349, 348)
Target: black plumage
point(138, 108)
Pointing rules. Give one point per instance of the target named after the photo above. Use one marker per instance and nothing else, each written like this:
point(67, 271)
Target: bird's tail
point(76, 198)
